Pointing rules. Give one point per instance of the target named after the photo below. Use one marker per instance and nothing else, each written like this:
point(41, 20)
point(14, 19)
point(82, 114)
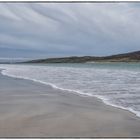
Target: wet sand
point(30, 109)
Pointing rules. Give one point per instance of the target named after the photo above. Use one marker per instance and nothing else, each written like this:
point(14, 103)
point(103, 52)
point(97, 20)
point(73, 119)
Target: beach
point(31, 109)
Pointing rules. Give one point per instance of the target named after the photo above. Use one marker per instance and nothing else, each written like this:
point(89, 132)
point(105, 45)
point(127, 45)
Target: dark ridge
point(127, 57)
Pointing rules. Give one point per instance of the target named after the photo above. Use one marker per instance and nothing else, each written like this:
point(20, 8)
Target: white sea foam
point(116, 87)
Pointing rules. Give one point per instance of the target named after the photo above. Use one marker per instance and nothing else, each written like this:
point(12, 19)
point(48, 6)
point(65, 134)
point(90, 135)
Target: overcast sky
point(68, 29)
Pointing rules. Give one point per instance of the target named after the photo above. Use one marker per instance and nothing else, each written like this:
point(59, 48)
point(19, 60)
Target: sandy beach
point(30, 109)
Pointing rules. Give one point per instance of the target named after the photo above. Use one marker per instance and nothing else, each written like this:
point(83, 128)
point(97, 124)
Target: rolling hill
point(126, 57)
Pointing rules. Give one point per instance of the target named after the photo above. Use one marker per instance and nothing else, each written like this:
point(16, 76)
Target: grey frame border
point(58, 2)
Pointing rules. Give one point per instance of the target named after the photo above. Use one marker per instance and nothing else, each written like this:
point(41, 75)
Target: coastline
point(31, 109)
point(106, 102)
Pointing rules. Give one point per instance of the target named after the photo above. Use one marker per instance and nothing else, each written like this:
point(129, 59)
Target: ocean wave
point(22, 73)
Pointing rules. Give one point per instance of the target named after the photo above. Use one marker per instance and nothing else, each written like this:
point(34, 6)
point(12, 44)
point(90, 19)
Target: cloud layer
point(54, 29)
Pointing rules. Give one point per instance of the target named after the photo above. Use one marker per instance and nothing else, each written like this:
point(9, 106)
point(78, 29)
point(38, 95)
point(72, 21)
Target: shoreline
point(82, 116)
point(73, 92)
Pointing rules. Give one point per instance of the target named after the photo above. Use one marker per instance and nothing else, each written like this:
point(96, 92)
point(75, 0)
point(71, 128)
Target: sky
point(42, 30)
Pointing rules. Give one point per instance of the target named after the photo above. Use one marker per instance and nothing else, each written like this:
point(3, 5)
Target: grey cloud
point(70, 29)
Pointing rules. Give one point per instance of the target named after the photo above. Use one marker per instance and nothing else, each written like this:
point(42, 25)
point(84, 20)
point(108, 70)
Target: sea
point(116, 84)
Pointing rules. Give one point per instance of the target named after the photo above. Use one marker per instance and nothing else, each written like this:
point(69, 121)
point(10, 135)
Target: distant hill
point(127, 57)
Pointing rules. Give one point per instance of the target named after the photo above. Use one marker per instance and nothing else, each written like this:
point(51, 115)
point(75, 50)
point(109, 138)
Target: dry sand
point(29, 109)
